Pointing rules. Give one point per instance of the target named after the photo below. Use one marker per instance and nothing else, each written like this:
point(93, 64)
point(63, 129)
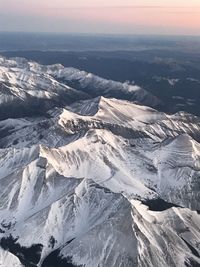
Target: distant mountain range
point(93, 173)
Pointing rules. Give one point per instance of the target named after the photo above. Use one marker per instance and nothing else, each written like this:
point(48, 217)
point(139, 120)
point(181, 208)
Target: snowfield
point(91, 180)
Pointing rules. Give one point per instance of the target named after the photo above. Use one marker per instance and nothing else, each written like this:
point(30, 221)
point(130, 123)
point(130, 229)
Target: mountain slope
point(97, 181)
point(33, 89)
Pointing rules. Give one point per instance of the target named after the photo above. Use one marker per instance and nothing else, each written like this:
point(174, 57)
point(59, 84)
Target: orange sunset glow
point(155, 17)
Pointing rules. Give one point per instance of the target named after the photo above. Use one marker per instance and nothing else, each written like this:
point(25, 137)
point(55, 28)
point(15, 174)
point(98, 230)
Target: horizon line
point(102, 34)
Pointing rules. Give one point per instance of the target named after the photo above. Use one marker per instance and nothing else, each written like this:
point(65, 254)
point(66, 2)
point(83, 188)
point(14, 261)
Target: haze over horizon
point(179, 17)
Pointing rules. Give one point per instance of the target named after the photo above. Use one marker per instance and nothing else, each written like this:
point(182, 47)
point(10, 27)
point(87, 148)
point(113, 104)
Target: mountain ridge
point(96, 181)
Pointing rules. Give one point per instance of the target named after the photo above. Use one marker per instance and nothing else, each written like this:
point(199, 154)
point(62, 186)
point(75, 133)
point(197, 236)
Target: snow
point(81, 174)
point(9, 260)
point(160, 230)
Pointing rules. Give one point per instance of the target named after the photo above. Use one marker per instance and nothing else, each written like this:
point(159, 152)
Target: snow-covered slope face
point(98, 182)
point(31, 93)
point(8, 259)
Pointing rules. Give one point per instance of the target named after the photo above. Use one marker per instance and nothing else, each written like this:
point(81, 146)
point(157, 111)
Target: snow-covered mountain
point(33, 89)
point(94, 181)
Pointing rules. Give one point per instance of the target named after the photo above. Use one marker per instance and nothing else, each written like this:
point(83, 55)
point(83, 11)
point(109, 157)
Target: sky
point(171, 17)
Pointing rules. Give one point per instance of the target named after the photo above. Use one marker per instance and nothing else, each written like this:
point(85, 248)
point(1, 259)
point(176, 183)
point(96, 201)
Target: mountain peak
point(87, 167)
